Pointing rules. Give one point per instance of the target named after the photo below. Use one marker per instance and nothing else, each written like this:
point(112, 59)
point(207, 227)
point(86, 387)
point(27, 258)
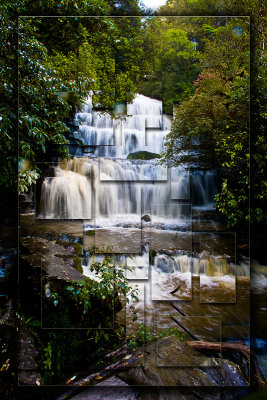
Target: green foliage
point(26, 179)
point(227, 50)
point(258, 180)
point(61, 60)
point(235, 184)
point(47, 363)
point(61, 351)
point(175, 64)
point(84, 294)
point(8, 97)
point(59, 354)
point(143, 334)
point(110, 281)
point(211, 129)
point(41, 109)
point(93, 48)
point(229, 203)
point(255, 8)
point(66, 352)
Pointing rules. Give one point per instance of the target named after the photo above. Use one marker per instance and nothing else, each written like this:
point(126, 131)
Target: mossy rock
point(78, 264)
point(152, 253)
point(142, 155)
point(91, 232)
point(78, 248)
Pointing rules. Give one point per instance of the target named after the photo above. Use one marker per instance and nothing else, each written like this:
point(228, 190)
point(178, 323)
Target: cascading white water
point(66, 195)
point(110, 181)
point(175, 269)
point(178, 263)
point(119, 137)
point(113, 192)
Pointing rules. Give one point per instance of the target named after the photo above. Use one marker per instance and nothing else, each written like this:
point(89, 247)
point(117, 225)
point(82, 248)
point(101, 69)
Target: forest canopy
point(204, 66)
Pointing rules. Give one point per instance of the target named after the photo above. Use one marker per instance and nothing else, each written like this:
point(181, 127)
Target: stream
point(158, 222)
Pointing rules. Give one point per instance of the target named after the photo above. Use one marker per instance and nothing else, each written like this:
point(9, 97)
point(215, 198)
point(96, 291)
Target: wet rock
point(48, 255)
point(145, 372)
point(111, 389)
point(28, 373)
point(51, 230)
point(168, 252)
point(29, 378)
point(69, 250)
point(191, 383)
point(146, 218)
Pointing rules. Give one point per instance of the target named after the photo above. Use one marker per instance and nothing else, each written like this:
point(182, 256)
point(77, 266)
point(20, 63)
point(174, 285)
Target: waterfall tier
point(143, 128)
point(108, 184)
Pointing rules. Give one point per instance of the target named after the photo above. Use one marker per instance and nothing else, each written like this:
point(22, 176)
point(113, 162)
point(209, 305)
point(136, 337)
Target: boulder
point(111, 389)
point(145, 371)
point(146, 218)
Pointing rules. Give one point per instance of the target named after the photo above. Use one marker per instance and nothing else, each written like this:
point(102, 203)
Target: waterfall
point(108, 184)
point(119, 137)
point(66, 195)
point(168, 271)
point(203, 188)
point(197, 265)
point(111, 192)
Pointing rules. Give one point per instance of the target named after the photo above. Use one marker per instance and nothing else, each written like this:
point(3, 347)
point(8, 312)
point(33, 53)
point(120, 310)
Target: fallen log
point(116, 352)
point(106, 371)
point(222, 346)
point(121, 353)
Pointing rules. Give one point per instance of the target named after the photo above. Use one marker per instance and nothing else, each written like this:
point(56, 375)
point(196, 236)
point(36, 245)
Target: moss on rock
point(78, 264)
point(142, 155)
point(91, 232)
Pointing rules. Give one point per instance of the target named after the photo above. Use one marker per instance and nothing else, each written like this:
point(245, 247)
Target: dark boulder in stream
point(146, 218)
